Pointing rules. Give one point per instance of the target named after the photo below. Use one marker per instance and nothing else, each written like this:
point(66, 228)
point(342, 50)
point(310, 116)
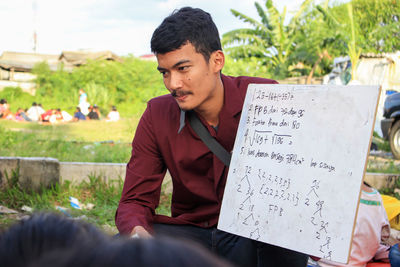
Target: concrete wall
point(77, 172)
point(381, 180)
point(34, 172)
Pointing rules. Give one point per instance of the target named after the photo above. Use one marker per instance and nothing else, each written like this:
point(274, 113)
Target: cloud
point(122, 26)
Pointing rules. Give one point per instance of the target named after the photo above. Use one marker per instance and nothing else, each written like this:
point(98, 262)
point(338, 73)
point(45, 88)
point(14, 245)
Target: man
point(83, 102)
point(33, 112)
point(190, 59)
point(78, 115)
point(94, 113)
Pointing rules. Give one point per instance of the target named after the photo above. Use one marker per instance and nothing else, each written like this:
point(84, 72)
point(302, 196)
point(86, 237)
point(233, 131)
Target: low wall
point(76, 172)
point(34, 172)
point(381, 180)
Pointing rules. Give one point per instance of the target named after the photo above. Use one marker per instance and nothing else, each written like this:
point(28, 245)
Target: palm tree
point(269, 40)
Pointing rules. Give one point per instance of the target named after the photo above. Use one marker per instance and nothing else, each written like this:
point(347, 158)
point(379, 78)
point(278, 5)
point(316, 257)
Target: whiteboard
point(297, 166)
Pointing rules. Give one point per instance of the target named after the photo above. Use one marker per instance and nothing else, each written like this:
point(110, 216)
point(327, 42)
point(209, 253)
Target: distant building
point(372, 69)
point(78, 58)
point(16, 67)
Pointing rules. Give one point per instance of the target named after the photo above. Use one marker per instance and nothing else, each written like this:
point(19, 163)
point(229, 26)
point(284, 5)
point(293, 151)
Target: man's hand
point(140, 232)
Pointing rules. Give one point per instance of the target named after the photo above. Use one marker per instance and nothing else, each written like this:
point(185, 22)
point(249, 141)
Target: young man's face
point(189, 77)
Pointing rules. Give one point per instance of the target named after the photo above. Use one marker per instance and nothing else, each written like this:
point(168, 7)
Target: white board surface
point(297, 166)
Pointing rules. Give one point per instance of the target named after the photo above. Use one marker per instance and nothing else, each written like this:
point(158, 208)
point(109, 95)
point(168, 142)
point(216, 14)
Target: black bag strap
point(207, 139)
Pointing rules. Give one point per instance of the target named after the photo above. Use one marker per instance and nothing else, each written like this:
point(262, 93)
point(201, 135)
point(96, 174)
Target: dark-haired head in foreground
point(30, 239)
point(133, 252)
point(48, 239)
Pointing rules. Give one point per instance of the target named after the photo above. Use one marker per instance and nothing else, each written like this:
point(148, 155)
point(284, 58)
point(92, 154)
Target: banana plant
point(270, 39)
point(349, 34)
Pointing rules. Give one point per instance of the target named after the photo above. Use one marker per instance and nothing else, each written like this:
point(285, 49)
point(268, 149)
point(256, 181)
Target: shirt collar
point(181, 121)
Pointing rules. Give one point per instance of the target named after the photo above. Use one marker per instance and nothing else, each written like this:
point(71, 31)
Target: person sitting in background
point(45, 117)
point(78, 115)
point(21, 116)
point(57, 116)
point(33, 112)
point(52, 116)
point(40, 109)
point(66, 116)
point(94, 113)
point(2, 106)
point(113, 115)
point(371, 230)
point(5, 110)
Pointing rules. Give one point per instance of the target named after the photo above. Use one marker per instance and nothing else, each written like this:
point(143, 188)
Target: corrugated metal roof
point(77, 58)
point(26, 61)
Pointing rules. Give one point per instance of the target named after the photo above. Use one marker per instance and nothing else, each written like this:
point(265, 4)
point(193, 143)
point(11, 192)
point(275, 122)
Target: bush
point(127, 85)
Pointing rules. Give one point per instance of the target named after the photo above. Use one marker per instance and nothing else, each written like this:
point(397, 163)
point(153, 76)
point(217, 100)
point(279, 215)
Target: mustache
point(176, 93)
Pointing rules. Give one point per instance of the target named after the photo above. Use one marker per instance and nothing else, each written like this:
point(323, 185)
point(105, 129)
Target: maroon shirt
point(198, 176)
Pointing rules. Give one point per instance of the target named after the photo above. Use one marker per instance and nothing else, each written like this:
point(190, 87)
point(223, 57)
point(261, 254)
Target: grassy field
point(87, 141)
point(96, 193)
point(83, 131)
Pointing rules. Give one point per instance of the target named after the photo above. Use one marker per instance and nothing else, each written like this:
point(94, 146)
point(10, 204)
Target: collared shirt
point(164, 140)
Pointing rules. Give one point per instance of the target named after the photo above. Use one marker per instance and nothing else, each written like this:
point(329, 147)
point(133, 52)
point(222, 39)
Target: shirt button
point(205, 224)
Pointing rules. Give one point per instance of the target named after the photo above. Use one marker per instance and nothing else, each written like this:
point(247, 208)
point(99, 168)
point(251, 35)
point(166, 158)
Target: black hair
point(34, 104)
point(134, 252)
point(30, 239)
point(185, 25)
point(78, 108)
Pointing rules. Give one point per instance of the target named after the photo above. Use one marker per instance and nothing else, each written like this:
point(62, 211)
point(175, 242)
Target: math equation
point(297, 167)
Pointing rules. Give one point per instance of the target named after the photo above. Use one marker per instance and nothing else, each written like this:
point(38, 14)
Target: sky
point(122, 26)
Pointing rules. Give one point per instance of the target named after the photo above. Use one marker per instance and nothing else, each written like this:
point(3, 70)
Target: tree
point(365, 26)
point(315, 43)
point(346, 30)
point(378, 24)
point(269, 40)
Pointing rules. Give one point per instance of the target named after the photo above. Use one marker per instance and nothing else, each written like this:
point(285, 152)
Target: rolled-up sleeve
point(144, 175)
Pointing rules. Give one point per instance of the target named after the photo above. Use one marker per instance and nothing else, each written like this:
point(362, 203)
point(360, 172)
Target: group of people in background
point(36, 113)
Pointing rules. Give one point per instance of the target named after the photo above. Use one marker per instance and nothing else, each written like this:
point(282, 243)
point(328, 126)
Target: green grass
point(386, 167)
point(91, 141)
point(83, 131)
point(380, 142)
point(104, 196)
